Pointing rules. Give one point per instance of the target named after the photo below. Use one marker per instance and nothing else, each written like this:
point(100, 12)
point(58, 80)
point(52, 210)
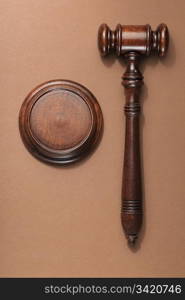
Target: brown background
point(66, 222)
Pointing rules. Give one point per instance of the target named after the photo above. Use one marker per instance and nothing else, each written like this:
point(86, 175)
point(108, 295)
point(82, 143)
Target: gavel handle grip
point(132, 188)
point(131, 213)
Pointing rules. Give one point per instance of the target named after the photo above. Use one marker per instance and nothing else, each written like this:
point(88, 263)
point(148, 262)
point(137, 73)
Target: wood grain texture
point(60, 122)
point(132, 42)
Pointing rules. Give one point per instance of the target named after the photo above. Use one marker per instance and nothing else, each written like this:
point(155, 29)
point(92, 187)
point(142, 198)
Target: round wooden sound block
point(60, 122)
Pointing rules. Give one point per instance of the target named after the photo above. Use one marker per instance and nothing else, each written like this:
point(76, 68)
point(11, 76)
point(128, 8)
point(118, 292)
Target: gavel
point(132, 42)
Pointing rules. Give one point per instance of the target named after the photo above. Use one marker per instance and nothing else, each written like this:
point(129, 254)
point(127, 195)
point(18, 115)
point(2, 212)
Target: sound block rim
point(73, 154)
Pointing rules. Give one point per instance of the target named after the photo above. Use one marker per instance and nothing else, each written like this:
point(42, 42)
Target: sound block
point(60, 122)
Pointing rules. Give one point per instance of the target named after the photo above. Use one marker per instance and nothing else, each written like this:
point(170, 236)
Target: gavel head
point(133, 38)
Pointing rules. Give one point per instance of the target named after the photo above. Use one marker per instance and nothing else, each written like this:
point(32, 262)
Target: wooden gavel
point(132, 42)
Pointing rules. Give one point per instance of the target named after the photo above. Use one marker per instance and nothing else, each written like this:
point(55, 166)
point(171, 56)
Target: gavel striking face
point(132, 42)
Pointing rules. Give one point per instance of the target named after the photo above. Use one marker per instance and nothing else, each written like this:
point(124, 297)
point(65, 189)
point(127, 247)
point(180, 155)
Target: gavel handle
point(131, 214)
